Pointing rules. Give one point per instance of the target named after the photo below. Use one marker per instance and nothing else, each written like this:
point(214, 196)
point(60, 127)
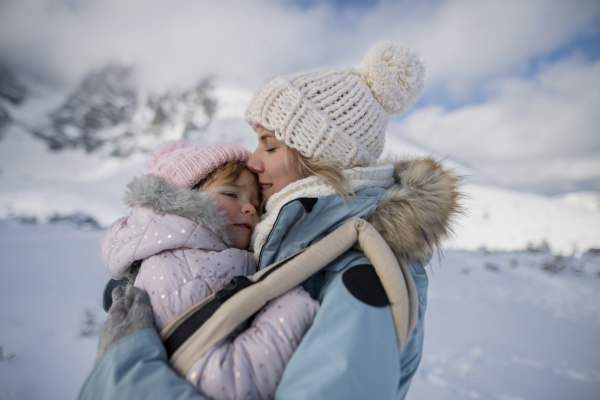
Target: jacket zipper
point(285, 236)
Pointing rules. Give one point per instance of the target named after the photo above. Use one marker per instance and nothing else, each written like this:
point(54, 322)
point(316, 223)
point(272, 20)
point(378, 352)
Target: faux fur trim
point(154, 192)
point(417, 213)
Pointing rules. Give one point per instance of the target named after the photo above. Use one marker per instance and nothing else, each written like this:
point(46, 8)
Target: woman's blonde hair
point(328, 170)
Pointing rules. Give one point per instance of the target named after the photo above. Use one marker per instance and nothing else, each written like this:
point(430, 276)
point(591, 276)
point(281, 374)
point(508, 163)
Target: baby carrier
point(191, 334)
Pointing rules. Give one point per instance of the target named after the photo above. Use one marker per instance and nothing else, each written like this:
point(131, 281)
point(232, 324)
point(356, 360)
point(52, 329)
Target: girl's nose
point(249, 208)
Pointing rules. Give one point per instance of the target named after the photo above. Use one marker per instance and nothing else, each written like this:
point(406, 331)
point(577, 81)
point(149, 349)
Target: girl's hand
point(130, 313)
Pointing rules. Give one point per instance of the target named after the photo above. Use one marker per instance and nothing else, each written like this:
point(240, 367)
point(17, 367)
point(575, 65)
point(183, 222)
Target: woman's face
point(269, 162)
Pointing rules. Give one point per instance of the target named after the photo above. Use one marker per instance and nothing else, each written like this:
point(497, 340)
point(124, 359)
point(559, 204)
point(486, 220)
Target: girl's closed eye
point(230, 194)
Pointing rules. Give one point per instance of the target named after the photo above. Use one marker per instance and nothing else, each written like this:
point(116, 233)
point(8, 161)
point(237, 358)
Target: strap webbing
point(200, 316)
point(202, 311)
point(242, 300)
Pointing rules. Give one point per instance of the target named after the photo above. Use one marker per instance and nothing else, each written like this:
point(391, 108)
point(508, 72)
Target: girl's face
point(240, 201)
point(269, 162)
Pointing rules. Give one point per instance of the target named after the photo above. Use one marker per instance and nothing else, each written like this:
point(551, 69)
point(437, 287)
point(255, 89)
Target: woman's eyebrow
point(266, 136)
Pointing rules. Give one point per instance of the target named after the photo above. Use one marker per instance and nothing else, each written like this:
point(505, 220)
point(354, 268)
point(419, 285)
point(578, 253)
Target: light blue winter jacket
point(350, 351)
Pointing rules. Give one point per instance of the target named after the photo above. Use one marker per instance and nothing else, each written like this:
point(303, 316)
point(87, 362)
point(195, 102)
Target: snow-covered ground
point(511, 326)
point(51, 281)
point(499, 325)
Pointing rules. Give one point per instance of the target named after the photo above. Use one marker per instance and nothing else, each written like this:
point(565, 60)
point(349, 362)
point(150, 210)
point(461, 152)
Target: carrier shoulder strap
point(190, 335)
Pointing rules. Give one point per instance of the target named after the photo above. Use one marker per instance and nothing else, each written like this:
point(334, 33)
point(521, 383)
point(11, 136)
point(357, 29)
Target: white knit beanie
point(340, 114)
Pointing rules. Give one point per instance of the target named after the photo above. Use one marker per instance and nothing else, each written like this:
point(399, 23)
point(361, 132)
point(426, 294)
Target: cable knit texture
point(340, 114)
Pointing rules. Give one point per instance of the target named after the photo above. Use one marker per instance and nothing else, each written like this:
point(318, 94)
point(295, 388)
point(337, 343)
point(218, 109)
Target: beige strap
point(395, 278)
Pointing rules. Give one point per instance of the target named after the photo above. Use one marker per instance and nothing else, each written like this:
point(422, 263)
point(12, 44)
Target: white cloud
point(174, 42)
point(466, 41)
point(542, 130)
point(179, 41)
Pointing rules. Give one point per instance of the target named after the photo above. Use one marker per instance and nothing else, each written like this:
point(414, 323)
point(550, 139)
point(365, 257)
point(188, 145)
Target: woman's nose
point(254, 163)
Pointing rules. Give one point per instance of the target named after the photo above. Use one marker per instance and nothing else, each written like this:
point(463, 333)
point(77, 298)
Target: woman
point(320, 134)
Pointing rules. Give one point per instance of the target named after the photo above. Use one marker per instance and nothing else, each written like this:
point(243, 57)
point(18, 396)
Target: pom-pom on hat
point(183, 164)
point(341, 114)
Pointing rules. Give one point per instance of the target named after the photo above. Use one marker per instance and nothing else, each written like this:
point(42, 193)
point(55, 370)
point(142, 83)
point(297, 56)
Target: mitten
point(130, 313)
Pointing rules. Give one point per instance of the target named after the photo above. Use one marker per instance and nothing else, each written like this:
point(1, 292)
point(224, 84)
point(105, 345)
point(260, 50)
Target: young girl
point(191, 222)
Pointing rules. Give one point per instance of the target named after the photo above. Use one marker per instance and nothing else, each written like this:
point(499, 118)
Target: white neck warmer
point(359, 178)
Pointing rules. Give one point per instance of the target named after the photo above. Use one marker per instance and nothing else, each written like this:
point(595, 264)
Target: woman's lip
point(265, 186)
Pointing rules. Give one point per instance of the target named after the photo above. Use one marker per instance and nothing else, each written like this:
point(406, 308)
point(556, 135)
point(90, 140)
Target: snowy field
point(500, 325)
point(511, 326)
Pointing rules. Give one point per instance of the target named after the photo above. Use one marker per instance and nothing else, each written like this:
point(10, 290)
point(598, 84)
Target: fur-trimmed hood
point(415, 204)
point(154, 192)
point(417, 212)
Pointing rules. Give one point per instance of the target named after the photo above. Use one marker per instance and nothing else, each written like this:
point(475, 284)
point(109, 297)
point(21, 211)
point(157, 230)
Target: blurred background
point(512, 88)
point(89, 88)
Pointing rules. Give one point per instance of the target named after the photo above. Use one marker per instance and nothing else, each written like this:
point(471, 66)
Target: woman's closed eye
point(271, 145)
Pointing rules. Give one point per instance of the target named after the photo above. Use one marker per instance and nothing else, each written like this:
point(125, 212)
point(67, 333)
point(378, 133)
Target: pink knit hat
point(183, 164)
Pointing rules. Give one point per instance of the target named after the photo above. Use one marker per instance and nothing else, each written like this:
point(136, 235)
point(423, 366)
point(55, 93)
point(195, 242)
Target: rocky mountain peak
point(10, 89)
point(106, 113)
point(11, 93)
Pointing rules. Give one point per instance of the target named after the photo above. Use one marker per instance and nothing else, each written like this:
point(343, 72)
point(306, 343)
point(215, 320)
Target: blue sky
point(512, 87)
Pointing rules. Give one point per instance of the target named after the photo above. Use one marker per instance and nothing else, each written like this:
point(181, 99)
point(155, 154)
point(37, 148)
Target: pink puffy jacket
point(178, 233)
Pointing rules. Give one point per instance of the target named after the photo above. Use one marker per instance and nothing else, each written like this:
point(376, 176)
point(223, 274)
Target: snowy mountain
point(68, 157)
point(10, 89)
point(106, 114)
point(104, 100)
point(12, 93)
point(504, 220)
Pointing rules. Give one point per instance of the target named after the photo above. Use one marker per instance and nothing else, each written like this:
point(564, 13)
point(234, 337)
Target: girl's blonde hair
point(328, 170)
point(224, 173)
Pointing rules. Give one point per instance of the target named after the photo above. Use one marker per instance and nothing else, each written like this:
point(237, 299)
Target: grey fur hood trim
point(416, 214)
point(154, 192)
